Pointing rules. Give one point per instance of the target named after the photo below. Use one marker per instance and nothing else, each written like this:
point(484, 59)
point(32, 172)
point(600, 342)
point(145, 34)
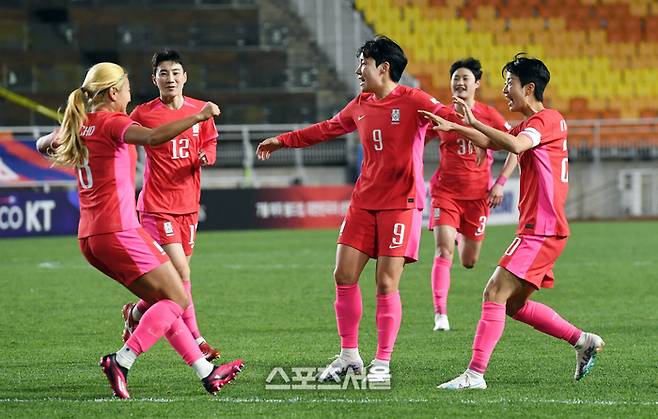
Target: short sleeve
point(117, 125)
point(209, 130)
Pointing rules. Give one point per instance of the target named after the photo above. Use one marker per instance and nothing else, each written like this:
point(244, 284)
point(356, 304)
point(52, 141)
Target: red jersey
point(172, 173)
point(105, 186)
point(458, 174)
point(544, 175)
point(392, 134)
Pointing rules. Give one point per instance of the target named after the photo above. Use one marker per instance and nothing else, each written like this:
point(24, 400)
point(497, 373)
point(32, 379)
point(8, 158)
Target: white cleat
point(378, 372)
point(441, 322)
point(339, 367)
point(587, 347)
point(469, 380)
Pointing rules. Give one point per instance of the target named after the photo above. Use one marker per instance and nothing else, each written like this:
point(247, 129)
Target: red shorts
point(531, 258)
point(469, 217)
point(171, 228)
point(124, 255)
point(383, 233)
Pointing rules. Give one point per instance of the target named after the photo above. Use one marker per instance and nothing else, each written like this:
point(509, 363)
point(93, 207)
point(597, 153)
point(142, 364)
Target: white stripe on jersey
point(533, 134)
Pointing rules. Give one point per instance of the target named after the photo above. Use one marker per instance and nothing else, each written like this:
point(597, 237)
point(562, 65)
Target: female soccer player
point(540, 140)
point(383, 221)
point(94, 137)
point(168, 204)
point(461, 190)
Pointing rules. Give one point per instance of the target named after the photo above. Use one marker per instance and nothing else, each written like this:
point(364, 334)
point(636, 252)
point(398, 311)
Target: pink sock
point(189, 315)
point(181, 340)
point(389, 317)
point(546, 320)
point(153, 325)
point(441, 284)
point(490, 329)
point(349, 308)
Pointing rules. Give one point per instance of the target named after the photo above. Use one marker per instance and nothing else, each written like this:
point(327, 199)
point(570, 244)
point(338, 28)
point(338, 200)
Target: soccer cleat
point(469, 380)
point(339, 367)
point(222, 375)
point(116, 375)
point(209, 352)
point(378, 372)
point(441, 322)
point(129, 323)
point(588, 346)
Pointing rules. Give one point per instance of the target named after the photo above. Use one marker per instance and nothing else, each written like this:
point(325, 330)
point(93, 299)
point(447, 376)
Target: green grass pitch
point(267, 296)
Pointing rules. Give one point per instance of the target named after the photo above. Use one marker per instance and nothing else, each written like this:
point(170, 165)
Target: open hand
point(267, 147)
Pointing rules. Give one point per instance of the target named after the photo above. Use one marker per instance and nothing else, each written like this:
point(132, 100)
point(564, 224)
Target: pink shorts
point(383, 233)
point(171, 228)
point(469, 217)
point(531, 258)
point(124, 255)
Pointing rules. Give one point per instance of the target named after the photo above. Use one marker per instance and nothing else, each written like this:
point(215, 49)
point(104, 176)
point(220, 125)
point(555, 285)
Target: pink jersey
point(458, 175)
point(172, 174)
point(392, 134)
point(544, 175)
point(105, 185)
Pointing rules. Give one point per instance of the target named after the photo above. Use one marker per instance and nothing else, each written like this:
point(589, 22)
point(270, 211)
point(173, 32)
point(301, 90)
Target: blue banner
point(26, 213)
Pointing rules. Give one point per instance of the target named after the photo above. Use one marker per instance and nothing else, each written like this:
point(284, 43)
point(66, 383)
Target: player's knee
point(444, 252)
point(386, 288)
point(491, 294)
point(343, 277)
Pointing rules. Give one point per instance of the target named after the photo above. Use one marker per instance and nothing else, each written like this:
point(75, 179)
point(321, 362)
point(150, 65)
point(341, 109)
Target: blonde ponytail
point(71, 150)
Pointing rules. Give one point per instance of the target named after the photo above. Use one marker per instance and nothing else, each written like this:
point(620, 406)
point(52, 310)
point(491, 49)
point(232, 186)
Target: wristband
point(501, 180)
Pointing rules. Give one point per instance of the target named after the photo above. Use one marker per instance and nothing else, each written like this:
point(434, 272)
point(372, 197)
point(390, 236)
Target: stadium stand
point(603, 53)
point(226, 44)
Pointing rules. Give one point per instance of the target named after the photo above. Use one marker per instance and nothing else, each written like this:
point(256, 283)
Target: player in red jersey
point(94, 137)
point(462, 191)
point(527, 264)
point(168, 204)
point(384, 217)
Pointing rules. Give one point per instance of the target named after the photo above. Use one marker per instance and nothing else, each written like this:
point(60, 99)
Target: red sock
point(441, 284)
point(181, 340)
point(389, 317)
point(157, 320)
point(349, 308)
point(546, 320)
point(142, 306)
point(490, 329)
point(189, 315)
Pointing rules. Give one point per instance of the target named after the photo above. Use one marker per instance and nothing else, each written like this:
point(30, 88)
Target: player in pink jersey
point(527, 264)
point(462, 191)
point(384, 217)
point(168, 204)
point(94, 137)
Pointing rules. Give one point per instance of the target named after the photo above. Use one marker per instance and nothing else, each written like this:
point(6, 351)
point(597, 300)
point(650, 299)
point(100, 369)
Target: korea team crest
point(395, 116)
point(195, 130)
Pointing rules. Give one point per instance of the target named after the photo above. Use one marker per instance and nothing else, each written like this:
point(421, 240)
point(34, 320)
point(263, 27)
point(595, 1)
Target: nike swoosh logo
point(360, 117)
point(394, 246)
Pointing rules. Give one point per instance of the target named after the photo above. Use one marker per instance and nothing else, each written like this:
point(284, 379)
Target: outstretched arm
point(499, 139)
point(136, 134)
point(472, 134)
point(48, 143)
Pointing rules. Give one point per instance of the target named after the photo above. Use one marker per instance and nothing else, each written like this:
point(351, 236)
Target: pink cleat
point(116, 375)
point(222, 375)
